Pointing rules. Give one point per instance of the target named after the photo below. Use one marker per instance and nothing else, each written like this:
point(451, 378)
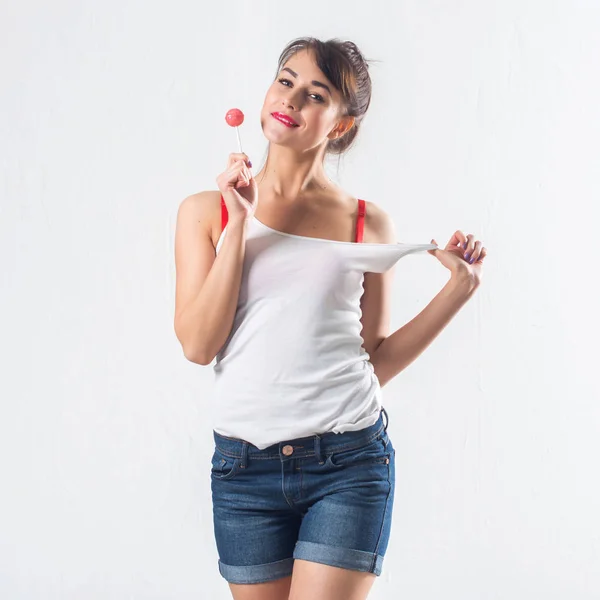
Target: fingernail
point(250, 163)
point(472, 259)
point(466, 257)
point(465, 246)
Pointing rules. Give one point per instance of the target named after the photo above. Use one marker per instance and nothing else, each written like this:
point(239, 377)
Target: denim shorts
point(325, 498)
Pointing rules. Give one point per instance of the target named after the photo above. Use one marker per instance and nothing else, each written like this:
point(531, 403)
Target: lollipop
point(234, 118)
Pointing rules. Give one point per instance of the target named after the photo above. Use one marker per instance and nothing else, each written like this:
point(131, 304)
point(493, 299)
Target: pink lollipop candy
point(234, 118)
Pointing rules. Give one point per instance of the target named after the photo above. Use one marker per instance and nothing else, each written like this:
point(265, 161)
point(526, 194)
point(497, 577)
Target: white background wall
point(484, 118)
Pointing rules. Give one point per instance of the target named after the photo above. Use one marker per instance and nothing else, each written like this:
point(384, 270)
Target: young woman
point(291, 295)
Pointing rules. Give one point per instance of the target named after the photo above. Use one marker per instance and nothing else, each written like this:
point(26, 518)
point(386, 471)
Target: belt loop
point(387, 418)
point(244, 460)
point(318, 448)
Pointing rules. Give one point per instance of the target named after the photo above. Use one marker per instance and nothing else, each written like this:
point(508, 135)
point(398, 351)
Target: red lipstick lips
point(285, 119)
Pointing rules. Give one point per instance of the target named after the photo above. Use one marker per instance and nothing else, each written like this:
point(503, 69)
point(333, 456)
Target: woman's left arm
point(402, 347)
point(463, 256)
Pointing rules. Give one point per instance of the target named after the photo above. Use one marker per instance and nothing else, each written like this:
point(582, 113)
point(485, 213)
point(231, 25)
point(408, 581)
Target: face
point(306, 96)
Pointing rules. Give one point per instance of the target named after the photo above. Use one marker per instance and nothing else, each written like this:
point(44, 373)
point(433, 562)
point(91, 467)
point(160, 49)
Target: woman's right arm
point(208, 286)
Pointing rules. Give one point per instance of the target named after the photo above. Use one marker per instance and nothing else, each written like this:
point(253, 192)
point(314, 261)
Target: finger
point(235, 174)
point(238, 156)
point(246, 174)
point(482, 254)
point(457, 239)
point(469, 246)
point(476, 251)
point(242, 181)
point(238, 167)
point(243, 178)
point(235, 156)
point(234, 160)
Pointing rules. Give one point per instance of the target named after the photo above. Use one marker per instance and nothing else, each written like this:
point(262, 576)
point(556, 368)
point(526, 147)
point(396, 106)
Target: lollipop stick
point(237, 130)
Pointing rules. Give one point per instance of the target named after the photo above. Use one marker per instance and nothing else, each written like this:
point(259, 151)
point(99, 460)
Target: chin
point(278, 135)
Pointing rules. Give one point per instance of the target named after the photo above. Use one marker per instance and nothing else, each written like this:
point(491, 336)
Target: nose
point(287, 103)
point(292, 98)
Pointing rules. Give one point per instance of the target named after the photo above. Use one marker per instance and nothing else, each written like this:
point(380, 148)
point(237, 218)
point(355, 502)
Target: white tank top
point(293, 364)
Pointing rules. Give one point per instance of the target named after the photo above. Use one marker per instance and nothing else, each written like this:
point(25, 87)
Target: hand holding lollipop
point(237, 184)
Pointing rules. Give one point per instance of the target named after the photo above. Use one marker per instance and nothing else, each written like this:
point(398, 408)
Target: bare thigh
point(270, 590)
point(316, 581)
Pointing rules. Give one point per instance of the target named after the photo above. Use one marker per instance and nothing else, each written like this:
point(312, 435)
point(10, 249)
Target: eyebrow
point(316, 83)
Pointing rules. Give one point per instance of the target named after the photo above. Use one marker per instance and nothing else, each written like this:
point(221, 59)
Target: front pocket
point(223, 466)
point(375, 452)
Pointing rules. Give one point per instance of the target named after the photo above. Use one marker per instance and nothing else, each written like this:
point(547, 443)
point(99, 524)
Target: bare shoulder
point(204, 208)
point(201, 203)
point(379, 226)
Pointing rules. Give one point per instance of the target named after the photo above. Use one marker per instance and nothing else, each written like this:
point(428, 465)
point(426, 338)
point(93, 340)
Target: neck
point(291, 176)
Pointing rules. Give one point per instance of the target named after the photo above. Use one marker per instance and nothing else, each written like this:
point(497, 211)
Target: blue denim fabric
point(326, 498)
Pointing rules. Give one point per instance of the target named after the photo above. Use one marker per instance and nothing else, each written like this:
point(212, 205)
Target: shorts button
point(287, 450)
point(387, 461)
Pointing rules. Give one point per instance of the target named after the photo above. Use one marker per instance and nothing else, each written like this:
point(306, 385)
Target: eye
point(318, 98)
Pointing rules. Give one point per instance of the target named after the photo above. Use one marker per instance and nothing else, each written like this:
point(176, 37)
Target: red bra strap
point(224, 213)
point(360, 221)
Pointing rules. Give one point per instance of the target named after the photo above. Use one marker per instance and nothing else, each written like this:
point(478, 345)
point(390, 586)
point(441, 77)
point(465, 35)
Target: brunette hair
point(348, 70)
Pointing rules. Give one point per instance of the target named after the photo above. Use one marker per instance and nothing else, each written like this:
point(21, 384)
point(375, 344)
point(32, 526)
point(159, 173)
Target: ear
point(342, 127)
